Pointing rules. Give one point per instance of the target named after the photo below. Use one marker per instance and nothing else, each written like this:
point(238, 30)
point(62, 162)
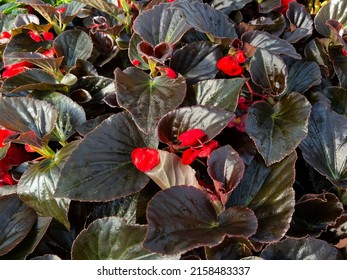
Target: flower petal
point(191, 137)
point(145, 159)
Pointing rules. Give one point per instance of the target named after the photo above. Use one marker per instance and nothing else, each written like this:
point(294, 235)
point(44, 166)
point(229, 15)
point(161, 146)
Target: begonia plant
point(160, 129)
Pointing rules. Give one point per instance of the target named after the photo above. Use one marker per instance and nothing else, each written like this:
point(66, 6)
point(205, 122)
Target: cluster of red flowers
point(230, 64)
point(145, 159)
point(15, 155)
point(191, 139)
point(14, 69)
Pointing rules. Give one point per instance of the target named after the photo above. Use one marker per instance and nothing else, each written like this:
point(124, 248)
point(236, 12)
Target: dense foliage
point(173, 129)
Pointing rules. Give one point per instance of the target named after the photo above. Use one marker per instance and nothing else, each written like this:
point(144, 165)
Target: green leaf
point(268, 71)
point(112, 239)
point(103, 163)
point(258, 39)
point(339, 61)
point(172, 172)
point(196, 61)
point(174, 212)
point(161, 24)
point(226, 169)
point(70, 115)
point(298, 80)
point(332, 10)
point(211, 120)
point(338, 98)
point(37, 185)
point(278, 130)
point(301, 249)
point(148, 99)
point(32, 79)
point(313, 214)
point(16, 221)
point(221, 93)
point(325, 146)
point(106, 6)
point(30, 242)
point(205, 19)
point(301, 24)
point(268, 191)
point(33, 119)
point(73, 45)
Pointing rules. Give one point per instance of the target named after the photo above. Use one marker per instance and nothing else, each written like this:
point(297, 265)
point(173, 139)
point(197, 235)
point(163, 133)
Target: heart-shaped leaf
point(301, 249)
point(278, 130)
point(33, 119)
point(258, 39)
point(325, 147)
point(269, 192)
point(301, 24)
point(314, 213)
point(221, 93)
point(134, 54)
point(30, 242)
point(181, 209)
point(232, 248)
point(338, 98)
point(103, 163)
point(268, 71)
point(339, 61)
point(73, 45)
point(70, 115)
point(298, 80)
point(172, 172)
point(38, 184)
point(159, 53)
point(272, 23)
point(112, 239)
point(196, 61)
point(16, 221)
point(205, 19)
point(226, 169)
point(333, 10)
point(45, 9)
point(209, 119)
point(32, 79)
point(146, 98)
point(161, 24)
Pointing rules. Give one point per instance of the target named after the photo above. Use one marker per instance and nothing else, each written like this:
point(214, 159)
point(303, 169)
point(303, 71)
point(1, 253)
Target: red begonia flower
point(50, 53)
point(190, 155)
point(61, 10)
point(6, 179)
point(35, 36)
point(243, 104)
point(5, 35)
point(207, 149)
point(239, 122)
point(191, 137)
point(48, 36)
point(229, 66)
point(285, 6)
point(170, 73)
point(145, 159)
point(136, 62)
point(14, 69)
point(240, 57)
point(344, 51)
point(4, 134)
